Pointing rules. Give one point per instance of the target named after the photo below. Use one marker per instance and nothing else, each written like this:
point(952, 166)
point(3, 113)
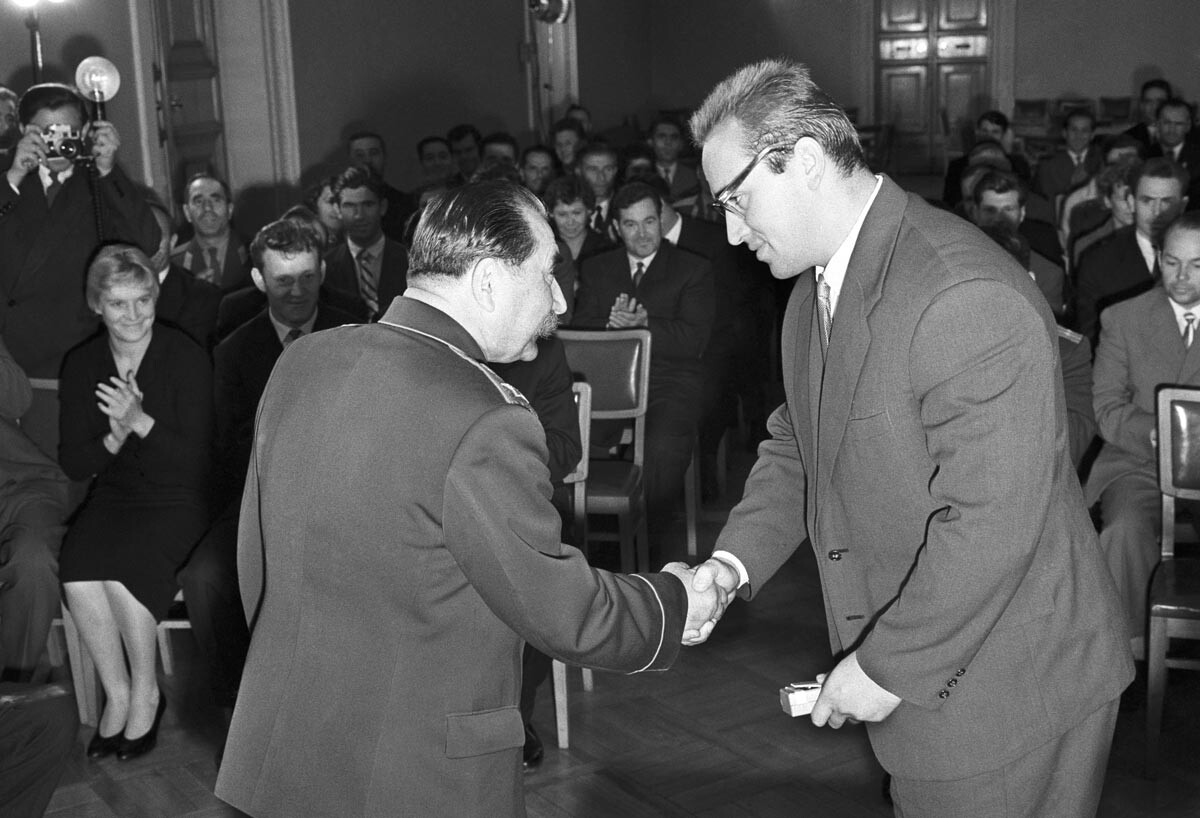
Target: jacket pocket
point(484, 731)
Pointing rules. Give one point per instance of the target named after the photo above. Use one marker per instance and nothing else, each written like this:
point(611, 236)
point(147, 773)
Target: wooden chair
point(1174, 603)
point(577, 479)
point(616, 364)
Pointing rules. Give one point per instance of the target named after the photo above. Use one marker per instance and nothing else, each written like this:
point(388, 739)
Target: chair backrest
point(1178, 454)
point(616, 364)
point(583, 406)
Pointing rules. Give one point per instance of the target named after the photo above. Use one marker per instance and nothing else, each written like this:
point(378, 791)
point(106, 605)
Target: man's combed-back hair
point(288, 236)
point(776, 102)
point(491, 219)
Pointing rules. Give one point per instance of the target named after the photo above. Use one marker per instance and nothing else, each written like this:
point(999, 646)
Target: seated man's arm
point(1122, 423)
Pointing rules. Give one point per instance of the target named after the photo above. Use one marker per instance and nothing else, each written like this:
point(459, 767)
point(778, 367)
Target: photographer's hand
point(105, 141)
point(29, 153)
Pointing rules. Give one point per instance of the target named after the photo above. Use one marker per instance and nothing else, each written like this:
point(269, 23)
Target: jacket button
point(961, 671)
point(835, 555)
point(952, 683)
point(945, 694)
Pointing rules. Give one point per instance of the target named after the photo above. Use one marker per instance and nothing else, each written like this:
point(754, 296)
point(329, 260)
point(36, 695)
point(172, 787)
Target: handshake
point(710, 588)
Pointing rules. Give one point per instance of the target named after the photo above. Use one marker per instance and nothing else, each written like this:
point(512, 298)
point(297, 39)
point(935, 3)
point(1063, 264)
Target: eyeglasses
point(725, 200)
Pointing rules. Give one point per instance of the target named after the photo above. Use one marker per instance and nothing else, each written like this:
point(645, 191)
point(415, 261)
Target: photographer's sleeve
point(127, 217)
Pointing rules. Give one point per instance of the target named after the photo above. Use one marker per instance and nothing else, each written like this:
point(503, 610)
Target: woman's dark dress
point(147, 506)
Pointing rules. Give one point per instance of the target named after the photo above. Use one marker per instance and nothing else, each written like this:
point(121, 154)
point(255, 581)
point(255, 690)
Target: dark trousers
point(672, 418)
point(38, 724)
point(31, 532)
point(210, 588)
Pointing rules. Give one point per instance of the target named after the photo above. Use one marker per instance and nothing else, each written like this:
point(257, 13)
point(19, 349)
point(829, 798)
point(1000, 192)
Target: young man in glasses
point(922, 451)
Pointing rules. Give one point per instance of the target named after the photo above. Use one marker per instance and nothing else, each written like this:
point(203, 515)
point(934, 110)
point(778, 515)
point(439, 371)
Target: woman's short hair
point(568, 190)
point(115, 265)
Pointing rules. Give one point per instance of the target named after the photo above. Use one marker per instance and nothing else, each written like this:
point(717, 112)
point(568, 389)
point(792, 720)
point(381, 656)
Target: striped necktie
point(367, 283)
point(824, 312)
point(639, 274)
point(1189, 332)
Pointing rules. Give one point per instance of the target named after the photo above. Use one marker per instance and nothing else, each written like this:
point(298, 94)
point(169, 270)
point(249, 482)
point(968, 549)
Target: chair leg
point(723, 463)
point(1156, 682)
point(83, 673)
point(164, 650)
point(561, 717)
point(625, 535)
point(643, 543)
point(55, 644)
point(588, 681)
point(579, 506)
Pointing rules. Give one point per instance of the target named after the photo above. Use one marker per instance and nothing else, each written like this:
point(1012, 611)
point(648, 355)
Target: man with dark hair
point(437, 162)
point(216, 254)
point(1174, 125)
point(599, 166)
point(922, 450)
point(537, 168)
point(1000, 199)
point(1124, 264)
point(1076, 162)
point(666, 139)
point(1113, 187)
point(400, 578)
point(48, 224)
point(568, 137)
point(581, 115)
point(184, 301)
point(465, 142)
point(10, 128)
point(288, 270)
point(367, 149)
point(991, 126)
point(639, 162)
point(1154, 93)
point(649, 283)
point(368, 266)
point(502, 146)
point(1083, 209)
point(1145, 342)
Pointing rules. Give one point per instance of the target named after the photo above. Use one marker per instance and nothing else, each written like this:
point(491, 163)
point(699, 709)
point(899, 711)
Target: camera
point(64, 143)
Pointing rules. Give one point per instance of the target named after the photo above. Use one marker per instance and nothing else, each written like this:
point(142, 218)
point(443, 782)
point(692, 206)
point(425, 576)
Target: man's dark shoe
point(533, 749)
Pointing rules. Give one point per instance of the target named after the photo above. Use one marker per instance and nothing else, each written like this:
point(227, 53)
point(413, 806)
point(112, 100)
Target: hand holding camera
point(30, 152)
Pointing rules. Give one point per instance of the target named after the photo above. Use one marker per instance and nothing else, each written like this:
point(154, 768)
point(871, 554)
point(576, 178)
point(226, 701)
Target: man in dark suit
point(1123, 265)
point(1154, 93)
point(650, 283)
point(184, 302)
point(48, 226)
point(368, 150)
point(1077, 161)
point(922, 451)
point(397, 545)
point(216, 253)
point(1146, 342)
point(288, 269)
point(1174, 128)
point(991, 126)
point(666, 139)
point(369, 266)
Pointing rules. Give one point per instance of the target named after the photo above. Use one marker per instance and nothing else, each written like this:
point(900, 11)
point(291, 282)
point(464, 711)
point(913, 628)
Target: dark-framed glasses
point(725, 200)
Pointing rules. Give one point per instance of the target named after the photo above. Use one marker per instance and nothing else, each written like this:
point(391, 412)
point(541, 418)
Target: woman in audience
point(137, 414)
point(569, 201)
point(321, 200)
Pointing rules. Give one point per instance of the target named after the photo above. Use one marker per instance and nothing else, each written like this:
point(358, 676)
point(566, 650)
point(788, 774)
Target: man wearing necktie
point(367, 267)
point(215, 253)
point(1075, 162)
point(1145, 342)
point(923, 454)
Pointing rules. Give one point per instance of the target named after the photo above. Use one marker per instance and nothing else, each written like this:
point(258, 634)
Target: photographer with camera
point(65, 194)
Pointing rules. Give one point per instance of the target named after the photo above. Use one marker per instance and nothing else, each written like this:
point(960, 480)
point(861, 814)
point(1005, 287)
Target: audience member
point(368, 265)
point(1000, 199)
point(38, 725)
point(666, 138)
point(184, 301)
point(33, 506)
point(437, 162)
point(147, 444)
point(651, 284)
point(1085, 207)
point(10, 128)
point(321, 200)
point(465, 142)
point(1174, 125)
point(215, 253)
point(639, 162)
point(537, 168)
point(1124, 264)
point(581, 115)
point(1073, 164)
point(367, 149)
point(1113, 185)
point(991, 126)
point(599, 167)
point(570, 201)
point(501, 145)
point(1154, 93)
point(288, 270)
point(568, 138)
point(48, 226)
point(1145, 342)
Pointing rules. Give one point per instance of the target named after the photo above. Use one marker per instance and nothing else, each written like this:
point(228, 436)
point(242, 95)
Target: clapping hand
point(105, 142)
point(627, 313)
point(122, 403)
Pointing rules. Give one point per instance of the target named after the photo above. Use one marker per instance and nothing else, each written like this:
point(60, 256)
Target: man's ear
point(257, 276)
point(485, 277)
point(383, 204)
point(809, 159)
point(187, 213)
point(321, 277)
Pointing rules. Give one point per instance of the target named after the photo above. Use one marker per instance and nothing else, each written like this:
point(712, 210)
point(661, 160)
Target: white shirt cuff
point(743, 577)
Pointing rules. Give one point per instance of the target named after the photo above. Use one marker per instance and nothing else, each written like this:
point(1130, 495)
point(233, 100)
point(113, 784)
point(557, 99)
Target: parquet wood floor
point(706, 739)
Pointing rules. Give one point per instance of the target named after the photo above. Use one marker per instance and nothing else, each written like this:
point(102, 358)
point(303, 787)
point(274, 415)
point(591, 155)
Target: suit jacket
point(341, 273)
point(1051, 280)
point(1054, 172)
point(44, 253)
point(1110, 271)
point(401, 206)
point(1075, 354)
point(242, 365)
point(684, 184)
point(388, 603)
point(189, 304)
point(235, 272)
point(1189, 158)
point(26, 472)
point(1141, 349)
point(240, 306)
point(677, 291)
point(927, 463)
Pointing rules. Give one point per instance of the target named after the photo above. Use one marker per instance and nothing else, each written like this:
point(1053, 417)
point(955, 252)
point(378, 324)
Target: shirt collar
point(375, 248)
point(1179, 313)
point(282, 329)
point(835, 270)
point(633, 262)
point(672, 235)
point(1077, 158)
point(1147, 250)
point(47, 175)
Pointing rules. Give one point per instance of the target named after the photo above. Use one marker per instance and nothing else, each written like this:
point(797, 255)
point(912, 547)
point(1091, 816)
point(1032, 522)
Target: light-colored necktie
point(638, 275)
point(366, 281)
point(292, 335)
point(824, 312)
point(1189, 332)
point(212, 272)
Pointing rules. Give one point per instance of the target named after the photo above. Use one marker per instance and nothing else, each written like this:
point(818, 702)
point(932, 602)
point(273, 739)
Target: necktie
point(211, 273)
point(638, 275)
point(366, 281)
point(824, 312)
point(292, 335)
point(1189, 332)
point(598, 219)
point(52, 191)
point(1079, 173)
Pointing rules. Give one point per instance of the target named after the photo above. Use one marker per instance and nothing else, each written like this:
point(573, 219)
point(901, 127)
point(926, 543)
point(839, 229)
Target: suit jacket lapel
point(850, 337)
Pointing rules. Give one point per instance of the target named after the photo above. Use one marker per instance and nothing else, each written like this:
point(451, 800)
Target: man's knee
point(29, 558)
point(213, 564)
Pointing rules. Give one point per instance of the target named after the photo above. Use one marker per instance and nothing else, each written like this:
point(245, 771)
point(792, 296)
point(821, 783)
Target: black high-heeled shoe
point(101, 746)
point(131, 748)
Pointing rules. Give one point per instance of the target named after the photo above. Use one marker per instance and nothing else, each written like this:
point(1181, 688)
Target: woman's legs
point(101, 635)
point(139, 632)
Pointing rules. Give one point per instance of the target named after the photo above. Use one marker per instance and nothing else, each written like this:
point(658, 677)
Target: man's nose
point(735, 228)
